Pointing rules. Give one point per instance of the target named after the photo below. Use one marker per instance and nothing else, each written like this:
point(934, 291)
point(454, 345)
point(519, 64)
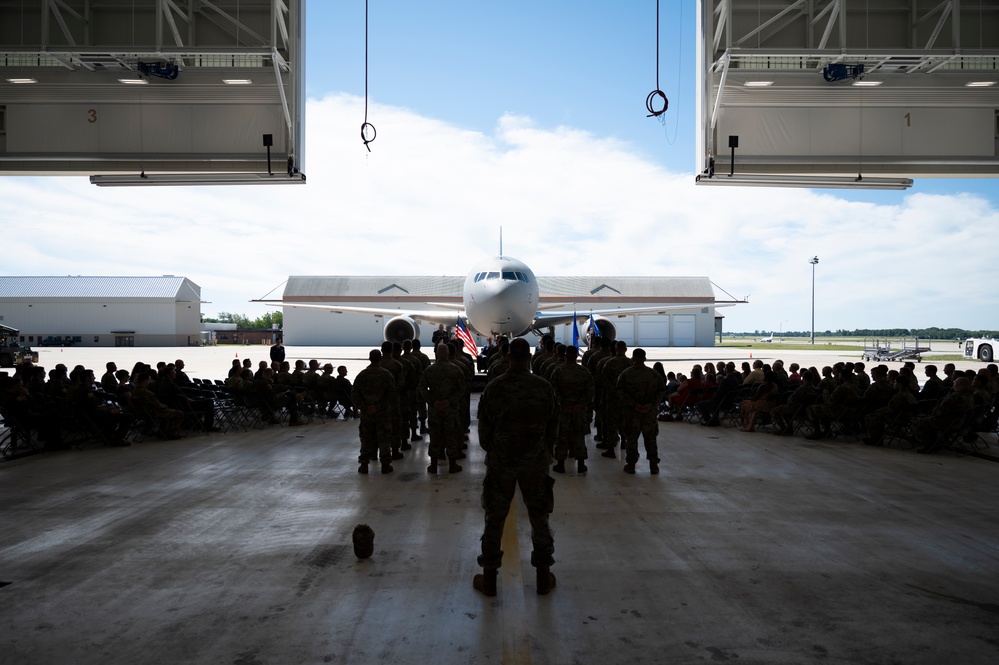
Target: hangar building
point(303, 327)
point(103, 311)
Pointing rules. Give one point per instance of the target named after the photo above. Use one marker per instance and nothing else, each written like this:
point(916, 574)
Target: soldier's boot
point(406, 445)
point(387, 468)
point(452, 466)
point(397, 455)
point(415, 436)
point(580, 466)
point(609, 452)
point(546, 580)
point(601, 445)
point(458, 455)
point(559, 466)
point(433, 466)
point(363, 468)
point(423, 427)
point(485, 583)
point(654, 467)
point(629, 468)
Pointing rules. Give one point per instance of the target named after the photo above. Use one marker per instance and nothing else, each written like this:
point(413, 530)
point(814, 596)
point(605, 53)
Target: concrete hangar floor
point(748, 548)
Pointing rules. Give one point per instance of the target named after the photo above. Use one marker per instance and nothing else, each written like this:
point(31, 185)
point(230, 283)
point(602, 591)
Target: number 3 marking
point(91, 115)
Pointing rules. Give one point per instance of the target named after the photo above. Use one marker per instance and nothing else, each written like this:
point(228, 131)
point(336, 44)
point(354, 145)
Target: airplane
point(767, 340)
point(499, 299)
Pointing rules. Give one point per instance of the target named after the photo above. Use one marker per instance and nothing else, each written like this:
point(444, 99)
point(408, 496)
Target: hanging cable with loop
point(657, 94)
point(368, 131)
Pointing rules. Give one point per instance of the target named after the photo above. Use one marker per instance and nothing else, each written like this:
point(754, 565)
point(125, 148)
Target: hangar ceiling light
point(812, 182)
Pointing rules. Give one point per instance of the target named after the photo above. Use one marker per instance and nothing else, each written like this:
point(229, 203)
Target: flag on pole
point(461, 332)
point(575, 330)
point(594, 330)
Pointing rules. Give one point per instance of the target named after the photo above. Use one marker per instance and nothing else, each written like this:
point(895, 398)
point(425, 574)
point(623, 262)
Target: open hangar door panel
point(123, 89)
point(839, 90)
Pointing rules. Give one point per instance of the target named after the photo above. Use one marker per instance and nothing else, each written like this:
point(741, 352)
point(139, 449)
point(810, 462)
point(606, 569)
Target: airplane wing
point(448, 318)
point(546, 319)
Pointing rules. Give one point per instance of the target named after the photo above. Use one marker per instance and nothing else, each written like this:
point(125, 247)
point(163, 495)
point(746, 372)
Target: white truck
point(982, 348)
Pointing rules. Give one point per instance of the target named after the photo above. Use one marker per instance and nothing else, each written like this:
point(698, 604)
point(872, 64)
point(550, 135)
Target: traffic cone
point(750, 355)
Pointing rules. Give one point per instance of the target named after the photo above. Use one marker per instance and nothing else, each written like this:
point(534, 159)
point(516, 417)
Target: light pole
point(813, 261)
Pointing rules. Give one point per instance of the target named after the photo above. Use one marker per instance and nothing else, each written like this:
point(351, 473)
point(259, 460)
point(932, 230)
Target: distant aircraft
point(500, 298)
point(768, 340)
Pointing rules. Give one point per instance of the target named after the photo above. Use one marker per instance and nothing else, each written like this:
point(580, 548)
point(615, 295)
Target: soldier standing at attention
point(573, 386)
point(518, 425)
point(374, 393)
point(640, 389)
point(607, 374)
point(442, 387)
point(399, 374)
point(412, 380)
point(421, 406)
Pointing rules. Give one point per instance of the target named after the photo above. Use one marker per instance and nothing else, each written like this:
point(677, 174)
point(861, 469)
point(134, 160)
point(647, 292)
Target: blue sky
point(530, 116)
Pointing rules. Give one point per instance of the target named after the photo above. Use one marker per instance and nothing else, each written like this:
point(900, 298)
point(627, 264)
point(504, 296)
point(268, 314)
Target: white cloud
point(429, 199)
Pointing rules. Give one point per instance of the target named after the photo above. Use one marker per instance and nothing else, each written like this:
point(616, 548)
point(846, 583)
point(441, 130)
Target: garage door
point(653, 330)
point(684, 330)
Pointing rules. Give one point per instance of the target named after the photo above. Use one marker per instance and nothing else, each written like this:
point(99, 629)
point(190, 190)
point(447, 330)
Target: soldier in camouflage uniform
point(407, 396)
point(518, 425)
point(415, 370)
point(421, 406)
point(610, 402)
point(399, 374)
point(604, 351)
point(442, 387)
point(903, 400)
point(947, 416)
point(375, 394)
point(573, 385)
point(464, 361)
point(639, 390)
point(801, 398)
point(500, 360)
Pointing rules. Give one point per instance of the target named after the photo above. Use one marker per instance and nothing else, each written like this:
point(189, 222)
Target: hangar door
point(653, 330)
point(684, 330)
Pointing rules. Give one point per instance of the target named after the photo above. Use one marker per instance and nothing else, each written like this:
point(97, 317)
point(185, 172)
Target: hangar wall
point(169, 315)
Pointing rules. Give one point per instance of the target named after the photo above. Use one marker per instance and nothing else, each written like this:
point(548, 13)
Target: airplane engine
point(604, 327)
point(401, 328)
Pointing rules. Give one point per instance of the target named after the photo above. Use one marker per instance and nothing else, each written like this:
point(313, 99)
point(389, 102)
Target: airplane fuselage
point(501, 297)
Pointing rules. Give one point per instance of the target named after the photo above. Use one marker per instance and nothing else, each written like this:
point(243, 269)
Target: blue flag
point(575, 330)
point(594, 330)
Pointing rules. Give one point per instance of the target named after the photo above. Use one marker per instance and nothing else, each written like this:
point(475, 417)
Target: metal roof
point(341, 287)
point(167, 286)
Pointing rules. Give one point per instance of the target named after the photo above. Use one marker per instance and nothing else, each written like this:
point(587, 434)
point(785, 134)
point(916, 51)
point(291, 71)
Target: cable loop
point(364, 134)
point(651, 100)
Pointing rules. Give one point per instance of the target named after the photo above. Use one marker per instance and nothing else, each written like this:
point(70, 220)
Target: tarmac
point(747, 548)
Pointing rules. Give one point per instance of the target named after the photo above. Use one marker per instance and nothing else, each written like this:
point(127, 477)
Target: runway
point(748, 548)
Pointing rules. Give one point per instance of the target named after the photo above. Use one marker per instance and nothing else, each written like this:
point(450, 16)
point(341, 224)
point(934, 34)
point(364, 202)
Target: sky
point(528, 117)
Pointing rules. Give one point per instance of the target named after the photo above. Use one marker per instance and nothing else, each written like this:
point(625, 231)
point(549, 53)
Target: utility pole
point(813, 261)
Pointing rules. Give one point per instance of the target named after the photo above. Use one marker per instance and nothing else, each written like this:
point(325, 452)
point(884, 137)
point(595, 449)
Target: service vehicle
point(11, 351)
point(982, 348)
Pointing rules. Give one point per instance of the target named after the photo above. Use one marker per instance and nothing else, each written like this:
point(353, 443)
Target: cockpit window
point(479, 276)
point(522, 277)
point(493, 275)
point(510, 276)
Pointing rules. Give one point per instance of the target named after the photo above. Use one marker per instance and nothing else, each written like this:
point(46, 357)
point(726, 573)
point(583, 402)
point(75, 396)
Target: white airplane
point(767, 340)
point(499, 298)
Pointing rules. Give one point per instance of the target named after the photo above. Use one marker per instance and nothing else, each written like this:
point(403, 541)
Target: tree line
point(265, 322)
point(922, 333)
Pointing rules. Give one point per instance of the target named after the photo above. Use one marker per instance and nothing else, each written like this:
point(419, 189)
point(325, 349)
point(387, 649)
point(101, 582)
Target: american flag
point(461, 332)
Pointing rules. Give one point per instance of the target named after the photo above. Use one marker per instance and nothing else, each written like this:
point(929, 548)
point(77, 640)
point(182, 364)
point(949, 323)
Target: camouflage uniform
point(443, 381)
point(465, 364)
point(782, 414)
point(838, 406)
point(610, 403)
point(947, 416)
point(875, 422)
point(518, 425)
point(399, 374)
point(639, 387)
point(408, 398)
point(573, 386)
point(375, 386)
point(497, 367)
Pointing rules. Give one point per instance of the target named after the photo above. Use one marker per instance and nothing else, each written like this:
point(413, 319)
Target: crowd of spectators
point(840, 400)
point(61, 407)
